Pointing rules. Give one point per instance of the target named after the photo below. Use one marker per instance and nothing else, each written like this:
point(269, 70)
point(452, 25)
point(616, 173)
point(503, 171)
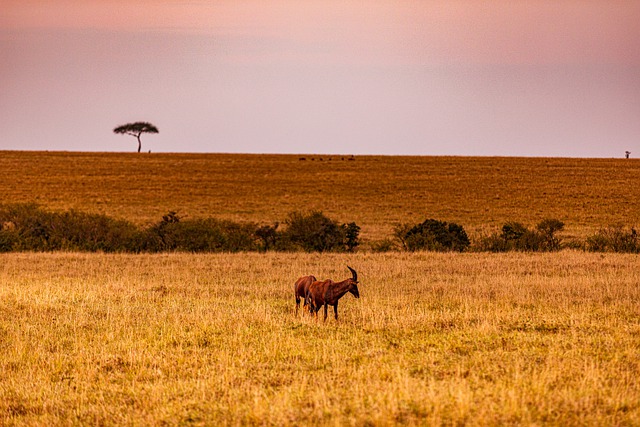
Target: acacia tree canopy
point(136, 129)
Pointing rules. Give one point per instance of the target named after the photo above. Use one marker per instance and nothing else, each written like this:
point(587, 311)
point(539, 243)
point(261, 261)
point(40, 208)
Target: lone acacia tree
point(136, 129)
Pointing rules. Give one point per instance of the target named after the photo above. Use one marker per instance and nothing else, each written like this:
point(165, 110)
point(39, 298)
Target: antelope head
point(353, 283)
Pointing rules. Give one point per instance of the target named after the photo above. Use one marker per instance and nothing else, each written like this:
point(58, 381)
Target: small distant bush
point(490, 243)
point(35, 229)
point(196, 235)
point(548, 229)
point(518, 237)
point(29, 228)
point(351, 236)
point(513, 231)
point(614, 239)
point(89, 232)
point(515, 236)
point(384, 245)
point(268, 236)
point(315, 232)
point(8, 240)
point(432, 235)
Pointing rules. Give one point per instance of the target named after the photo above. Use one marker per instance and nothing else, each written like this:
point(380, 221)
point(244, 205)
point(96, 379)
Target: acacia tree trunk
point(139, 142)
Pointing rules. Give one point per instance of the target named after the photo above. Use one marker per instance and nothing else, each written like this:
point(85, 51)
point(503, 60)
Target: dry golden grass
point(375, 192)
point(94, 339)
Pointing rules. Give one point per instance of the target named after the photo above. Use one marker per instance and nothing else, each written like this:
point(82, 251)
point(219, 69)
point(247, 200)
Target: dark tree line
point(28, 227)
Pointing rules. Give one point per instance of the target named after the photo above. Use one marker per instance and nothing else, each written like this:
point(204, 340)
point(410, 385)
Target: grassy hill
point(377, 192)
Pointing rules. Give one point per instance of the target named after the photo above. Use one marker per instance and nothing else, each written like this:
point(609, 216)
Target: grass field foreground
point(452, 339)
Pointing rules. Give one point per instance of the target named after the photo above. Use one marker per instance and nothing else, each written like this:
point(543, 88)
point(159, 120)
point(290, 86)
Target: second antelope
point(300, 288)
point(328, 293)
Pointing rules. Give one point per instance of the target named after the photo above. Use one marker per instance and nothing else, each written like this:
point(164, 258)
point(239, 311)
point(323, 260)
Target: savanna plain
point(213, 339)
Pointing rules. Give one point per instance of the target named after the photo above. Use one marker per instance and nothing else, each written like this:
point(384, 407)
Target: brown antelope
point(301, 286)
point(328, 293)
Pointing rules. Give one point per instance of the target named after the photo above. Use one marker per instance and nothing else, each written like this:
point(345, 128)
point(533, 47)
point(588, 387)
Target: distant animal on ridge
point(328, 293)
point(300, 288)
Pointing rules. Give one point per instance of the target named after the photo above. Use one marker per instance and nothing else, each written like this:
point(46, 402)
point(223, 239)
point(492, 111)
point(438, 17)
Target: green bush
point(513, 231)
point(432, 235)
point(493, 242)
point(268, 236)
point(614, 239)
point(518, 237)
point(196, 235)
point(35, 229)
point(515, 236)
point(384, 245)
point(30, 227)
point(351, 233)
point(314, 232)
point(89, 232)
point(8, 239)
point(547, 229)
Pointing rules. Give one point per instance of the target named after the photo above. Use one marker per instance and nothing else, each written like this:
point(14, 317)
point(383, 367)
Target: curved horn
point(355, 275)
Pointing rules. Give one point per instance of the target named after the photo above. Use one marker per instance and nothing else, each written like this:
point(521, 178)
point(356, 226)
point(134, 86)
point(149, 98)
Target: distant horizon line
point(320, 155)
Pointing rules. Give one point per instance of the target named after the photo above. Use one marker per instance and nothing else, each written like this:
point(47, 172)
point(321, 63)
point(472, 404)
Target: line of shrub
point(544, 237)
point(515, 236)
point(614, 239)
point(28, 227)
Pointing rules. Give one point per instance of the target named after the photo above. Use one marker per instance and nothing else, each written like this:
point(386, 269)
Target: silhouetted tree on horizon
point(136, 129)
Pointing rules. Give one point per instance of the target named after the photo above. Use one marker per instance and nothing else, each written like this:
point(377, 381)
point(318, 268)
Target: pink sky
point(542, 78)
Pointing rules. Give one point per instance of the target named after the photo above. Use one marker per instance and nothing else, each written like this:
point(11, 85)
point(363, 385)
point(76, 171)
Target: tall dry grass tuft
point(213, 339)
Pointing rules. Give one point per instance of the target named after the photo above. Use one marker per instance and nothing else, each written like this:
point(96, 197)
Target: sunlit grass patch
point(213, 339)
